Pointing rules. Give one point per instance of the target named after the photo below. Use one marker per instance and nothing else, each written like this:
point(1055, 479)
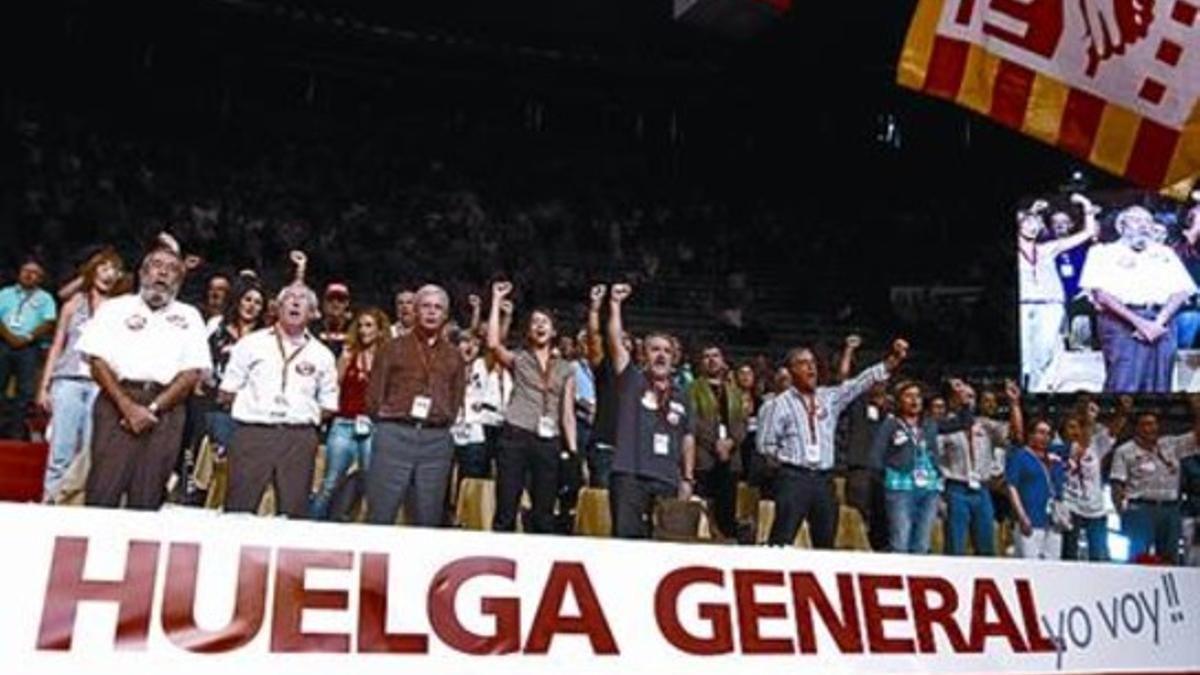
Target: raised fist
point(620, 292)
point(502, 289)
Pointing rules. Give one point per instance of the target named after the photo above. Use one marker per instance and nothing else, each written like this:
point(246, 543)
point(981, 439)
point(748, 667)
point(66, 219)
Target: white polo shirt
point(1148, 277)
point(274, 381)
point(144, 345)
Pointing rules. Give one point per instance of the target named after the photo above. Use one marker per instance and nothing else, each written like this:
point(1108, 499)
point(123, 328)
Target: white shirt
point(485, 398)
point(1146, 278)
point(1084, 489)
point(1038, 277)
point(270, 388)
point(143, 345)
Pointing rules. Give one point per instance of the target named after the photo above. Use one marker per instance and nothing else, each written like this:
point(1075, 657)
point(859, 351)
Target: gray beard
point(157, 299)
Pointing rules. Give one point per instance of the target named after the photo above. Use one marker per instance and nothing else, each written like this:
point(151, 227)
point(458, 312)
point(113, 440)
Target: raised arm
point(617, 352)
point(1090, 228)
point(594, 342)
point(846, 364)
point(495, 339)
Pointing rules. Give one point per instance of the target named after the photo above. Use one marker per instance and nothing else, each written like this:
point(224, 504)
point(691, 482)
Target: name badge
point(461, 434)
point(722, 432)
point(873, 413)
point(752, 425)
point(420, 407)
point(1067, 270)
point(662, 444)
point(649, 401)
point(921, 478)
point(973, 480)
point(546, 427)
point(812, 453)
point(1149, 467)
point(362, 425)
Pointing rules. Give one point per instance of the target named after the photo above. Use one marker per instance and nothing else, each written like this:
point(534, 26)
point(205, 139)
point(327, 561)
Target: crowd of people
point(398, 408)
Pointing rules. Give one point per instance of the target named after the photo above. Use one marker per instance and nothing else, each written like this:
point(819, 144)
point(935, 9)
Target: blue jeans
point(969, 510)
point(71, 400)
point(910, 519)
point(1187, 327)
point(1158, 525)
point(1096, 532)
point(342, 448)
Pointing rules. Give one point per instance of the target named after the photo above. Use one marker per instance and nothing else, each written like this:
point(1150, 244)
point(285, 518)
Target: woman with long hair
point(244, 314)
point(351, 431)
point(67, 389)
point(539, 418)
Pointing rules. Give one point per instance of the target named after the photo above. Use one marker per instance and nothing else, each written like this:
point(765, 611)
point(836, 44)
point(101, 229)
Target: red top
point(352, 399)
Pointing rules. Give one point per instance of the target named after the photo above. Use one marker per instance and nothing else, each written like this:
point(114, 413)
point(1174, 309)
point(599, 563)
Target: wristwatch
point(153, 407)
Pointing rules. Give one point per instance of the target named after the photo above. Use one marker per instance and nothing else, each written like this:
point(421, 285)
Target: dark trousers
point(631, 502)
point(526, 461)
point(719, 486)
point(410, 466)
point(136, 467)
point(279, 455)
point(22, 364)
point(804, 495)
point(599, 463)
point(864, 491)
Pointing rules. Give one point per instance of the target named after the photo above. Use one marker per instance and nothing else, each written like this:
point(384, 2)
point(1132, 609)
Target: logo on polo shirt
point(178, 321)
point(305, 368)
point(135, 322)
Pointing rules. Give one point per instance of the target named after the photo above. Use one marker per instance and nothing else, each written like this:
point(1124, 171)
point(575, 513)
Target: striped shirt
point(784, 422)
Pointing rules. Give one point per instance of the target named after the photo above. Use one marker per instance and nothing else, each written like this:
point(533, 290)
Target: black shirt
point(605, 428)
point(650, 435)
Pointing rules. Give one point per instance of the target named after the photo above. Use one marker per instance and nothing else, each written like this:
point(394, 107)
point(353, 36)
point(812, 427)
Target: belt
point(1145, 308)
point(414, 423)
point(276, 425)
point(1154, 502)
point(796, 468)
point(963, 485)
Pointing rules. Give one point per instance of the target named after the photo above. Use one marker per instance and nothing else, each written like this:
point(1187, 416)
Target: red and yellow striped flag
point(1115, 82)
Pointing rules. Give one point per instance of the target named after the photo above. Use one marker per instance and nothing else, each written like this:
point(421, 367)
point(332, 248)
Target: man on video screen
point(1138, 285)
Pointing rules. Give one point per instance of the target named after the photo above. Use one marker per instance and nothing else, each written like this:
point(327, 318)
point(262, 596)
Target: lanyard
point(546, 375)
point(287, 359)
point(811, 413)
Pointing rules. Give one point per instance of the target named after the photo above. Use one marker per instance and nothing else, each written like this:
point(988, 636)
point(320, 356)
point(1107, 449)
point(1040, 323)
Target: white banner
point(185, 591)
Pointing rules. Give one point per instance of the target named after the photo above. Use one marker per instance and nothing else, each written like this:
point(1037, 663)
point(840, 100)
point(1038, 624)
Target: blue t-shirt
point(1025, 472)
point(23, 311)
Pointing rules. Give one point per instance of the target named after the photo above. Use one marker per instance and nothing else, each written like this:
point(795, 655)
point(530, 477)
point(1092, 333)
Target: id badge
point(1067, 270)
point(812, 453)
point(420, 407)
point(362, 425)
point(279, 406)
point(873, 413)
point(752, 425)
point(546, 427)
point(920, 478)
point(461, 434)
point(973, 480)
point(662, 444)
point(722, 432)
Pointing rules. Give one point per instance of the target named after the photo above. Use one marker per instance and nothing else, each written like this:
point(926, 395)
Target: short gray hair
point(309, 295)
point(434, 289)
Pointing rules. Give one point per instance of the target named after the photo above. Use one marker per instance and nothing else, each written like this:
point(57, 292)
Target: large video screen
point(1108, 292)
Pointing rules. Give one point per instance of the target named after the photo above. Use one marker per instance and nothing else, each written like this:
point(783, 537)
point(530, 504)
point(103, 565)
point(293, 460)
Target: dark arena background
point(352, 289)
